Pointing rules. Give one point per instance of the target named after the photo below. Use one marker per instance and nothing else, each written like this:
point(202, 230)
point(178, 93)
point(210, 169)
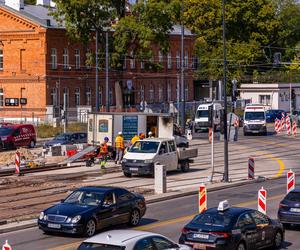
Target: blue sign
point(130, 127)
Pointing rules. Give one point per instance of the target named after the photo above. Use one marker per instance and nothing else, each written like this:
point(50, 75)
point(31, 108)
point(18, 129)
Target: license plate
point(201, 236)
point(297, 210)
point(202, 246)
point(133, 169)
point(51, 225)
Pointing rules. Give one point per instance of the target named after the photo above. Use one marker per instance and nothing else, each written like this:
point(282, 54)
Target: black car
point(88, 209)
point(232, 228)
point(289, 208)
point(67, 138)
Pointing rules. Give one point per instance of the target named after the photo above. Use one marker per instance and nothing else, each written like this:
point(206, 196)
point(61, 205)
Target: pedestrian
point(134, 139)
point(142, 136)
point(119, 144)
point(104, 152)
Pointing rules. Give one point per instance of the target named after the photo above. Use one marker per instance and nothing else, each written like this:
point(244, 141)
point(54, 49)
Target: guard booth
point(104, 124)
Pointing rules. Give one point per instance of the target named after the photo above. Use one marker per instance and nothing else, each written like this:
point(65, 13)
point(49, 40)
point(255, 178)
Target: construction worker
point(150, 135)
point(104, 152)
point(134, 139)
point(119, 144)
point(142, 136)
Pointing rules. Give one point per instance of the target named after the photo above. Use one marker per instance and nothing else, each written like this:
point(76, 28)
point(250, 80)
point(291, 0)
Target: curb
point(15, 226)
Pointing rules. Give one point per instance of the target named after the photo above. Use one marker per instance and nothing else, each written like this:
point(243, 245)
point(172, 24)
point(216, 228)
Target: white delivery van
point(201, 116)
point(255, 120)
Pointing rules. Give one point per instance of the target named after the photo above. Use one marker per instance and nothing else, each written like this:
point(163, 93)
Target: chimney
point(15, 4)
point(43, 2)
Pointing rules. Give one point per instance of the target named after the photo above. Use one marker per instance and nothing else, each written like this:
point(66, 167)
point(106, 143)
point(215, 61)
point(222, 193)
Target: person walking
point(104, 152)
point(119, 145)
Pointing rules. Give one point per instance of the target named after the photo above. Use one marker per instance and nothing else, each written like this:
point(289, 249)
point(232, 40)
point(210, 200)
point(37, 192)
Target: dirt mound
point(8, 157)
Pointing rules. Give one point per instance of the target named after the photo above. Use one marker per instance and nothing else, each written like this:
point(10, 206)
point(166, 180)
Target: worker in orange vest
point(119, 144)
point(134, 139)
point(142, 136)
point(104, 152)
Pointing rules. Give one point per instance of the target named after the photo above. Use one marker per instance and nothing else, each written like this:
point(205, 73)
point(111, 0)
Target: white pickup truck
point(143, 154)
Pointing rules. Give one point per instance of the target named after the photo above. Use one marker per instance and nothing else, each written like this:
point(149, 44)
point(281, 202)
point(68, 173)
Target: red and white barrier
point(294, 128)
point(288, 126)
point(210, 135)
point(251, 166)
point(282, 125)
point(277, 125)
point(236, 123)
point(6, 246)
point(18, 163)
point(262, 201)
point(290, 181)
point(202, 199)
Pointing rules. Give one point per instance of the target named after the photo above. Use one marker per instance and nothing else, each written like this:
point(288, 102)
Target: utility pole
point(182, 75)
point(97, 74)
point(178, 99)
point(65, 113)
point(106, 73)
point(226, 171)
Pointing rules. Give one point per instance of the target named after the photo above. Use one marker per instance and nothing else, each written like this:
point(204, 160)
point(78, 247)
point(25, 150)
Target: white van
point(201, 116)
point(255, 119)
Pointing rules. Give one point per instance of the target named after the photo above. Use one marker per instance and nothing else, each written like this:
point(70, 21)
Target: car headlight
point(76, 219)
point(68, 220)
point(148, 161)
point(41, 217)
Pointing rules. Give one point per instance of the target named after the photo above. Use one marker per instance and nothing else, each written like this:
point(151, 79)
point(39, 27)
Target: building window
point(265, 99)
point(151, 93)
point(65, 58)
point(160, 93)
point(178, 60)
point(1, 98)
point(169, 91)
point(53, 58)
point(186, 91)
point(100, 95)
point(54, 96)
point(186, 59)
point(77, 96)
point(66, 92)
point(132, 60)
point(111, 96)
point(142, 92)
point(169, 60)
point(88, 96)
point(1, 59)
point(142, 64)
point(77, 58)
point(195, 62)
point(160, 57)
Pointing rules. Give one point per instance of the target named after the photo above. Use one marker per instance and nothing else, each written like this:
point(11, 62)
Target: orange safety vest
point(134, 139)
point(104, 149)
point(119, 143)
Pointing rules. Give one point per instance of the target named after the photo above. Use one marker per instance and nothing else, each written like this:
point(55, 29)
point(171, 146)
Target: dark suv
point(67, 138)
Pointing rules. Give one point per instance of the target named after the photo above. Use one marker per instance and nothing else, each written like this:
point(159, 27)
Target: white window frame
point(1, 97)
point(265, 99)
point(178, 63)
point(53, 58)
point(186, 59)
point(1, 59)
point(54, 96)
point(65, 58)
point(151, 93)
point(66, 90)
point(77, 96)
point(132, 60)
point(169, 60)
point(88, 96)
point(77, 58)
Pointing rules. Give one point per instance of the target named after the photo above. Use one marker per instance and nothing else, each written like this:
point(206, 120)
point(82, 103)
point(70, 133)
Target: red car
point(18, 135)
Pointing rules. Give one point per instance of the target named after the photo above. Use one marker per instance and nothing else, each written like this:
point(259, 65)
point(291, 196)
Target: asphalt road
point(168, 217)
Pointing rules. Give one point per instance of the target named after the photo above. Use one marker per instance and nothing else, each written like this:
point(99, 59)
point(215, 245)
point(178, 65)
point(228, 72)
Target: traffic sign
point(251, 167)
point(202, 199)
point(290, 181)
point(262, 200)
point(6, 246)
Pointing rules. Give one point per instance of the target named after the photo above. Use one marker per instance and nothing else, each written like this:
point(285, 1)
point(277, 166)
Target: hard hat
point(120, 133)
point(106, 138)
point(150, 133)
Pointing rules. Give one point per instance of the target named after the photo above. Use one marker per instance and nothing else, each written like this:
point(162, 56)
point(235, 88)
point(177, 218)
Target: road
point(168, 217)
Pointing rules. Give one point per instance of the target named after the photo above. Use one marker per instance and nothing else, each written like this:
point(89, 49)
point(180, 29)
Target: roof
point(118, 237)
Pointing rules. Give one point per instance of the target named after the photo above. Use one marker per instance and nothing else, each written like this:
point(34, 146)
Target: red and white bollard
point(210, 134)
point(18, 163)
point(251, 166)
point(236, 123)
point(294, 128)
point(262, 201)
point(277, 126)
point(6, 246)
point(282, 122)
point(290, 181)
point(202, 199)
point(288, 126)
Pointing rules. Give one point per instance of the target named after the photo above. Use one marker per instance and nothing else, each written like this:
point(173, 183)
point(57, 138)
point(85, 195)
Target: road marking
point(167, 222)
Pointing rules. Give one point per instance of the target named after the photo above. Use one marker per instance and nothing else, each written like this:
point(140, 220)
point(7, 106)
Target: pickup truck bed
point(186, 153)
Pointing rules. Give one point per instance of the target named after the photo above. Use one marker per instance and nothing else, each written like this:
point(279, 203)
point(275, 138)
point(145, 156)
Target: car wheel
point(32, 144)
point(135, 218)
point(127, 174)
point(90, 228)
point(241, 246)
point(278, 240)
point(185, 167)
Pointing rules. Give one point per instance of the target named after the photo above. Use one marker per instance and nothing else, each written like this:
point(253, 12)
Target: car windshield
point(84, 198)
point(144, 147)
point(63, 137)
point(5, 131)
point(202, 113)
point(293, 196)
point(254, 116)
point(218, 219)
point(98, 246)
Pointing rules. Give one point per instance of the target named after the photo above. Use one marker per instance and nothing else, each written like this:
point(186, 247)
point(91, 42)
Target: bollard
point(294, 128)
point(202, 199)
point(288, 126)
point(290, 181)
point(262, 201)
point(251, 167)
point(18, 163)
point(6, 246)
point(160, 178)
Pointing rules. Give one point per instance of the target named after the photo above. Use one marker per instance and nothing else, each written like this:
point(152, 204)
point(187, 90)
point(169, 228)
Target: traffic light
point(211, 116)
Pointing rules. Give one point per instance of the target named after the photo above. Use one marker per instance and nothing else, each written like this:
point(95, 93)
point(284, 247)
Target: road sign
point(251, 167)
point(202, 199)
point(262, 201)
point(290, 181)
point(6, 246)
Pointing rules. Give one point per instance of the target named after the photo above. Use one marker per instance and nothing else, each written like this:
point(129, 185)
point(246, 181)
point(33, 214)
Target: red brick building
point(38, 64)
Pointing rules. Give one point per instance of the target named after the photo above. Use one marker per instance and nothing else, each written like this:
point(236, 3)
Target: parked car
point(289, 208)
point(272, 114)
point(232, 228)
point(88, 209)
point(130, 240)
point(4, 124)
point(67, 138)
point(19, 135)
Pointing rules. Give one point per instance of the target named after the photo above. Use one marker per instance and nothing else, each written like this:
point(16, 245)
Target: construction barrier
point(202, 199)
point(282, 122)
point(18, 163)
point(277, 125)
point(251, 166)
point(294, 128)
point(236, 123)
point(210, 135)
point(288, 126)
point(262, 201)
point(6, 246)
point(290, 180)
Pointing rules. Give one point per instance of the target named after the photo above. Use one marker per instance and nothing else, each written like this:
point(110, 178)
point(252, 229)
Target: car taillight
point(185, 230)
point(282, 205)
point(221, 234)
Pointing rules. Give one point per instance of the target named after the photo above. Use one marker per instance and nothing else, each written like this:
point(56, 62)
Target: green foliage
point(32, 2)
point(48, 131)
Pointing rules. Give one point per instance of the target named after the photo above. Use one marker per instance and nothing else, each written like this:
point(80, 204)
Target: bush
point(47, 130)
